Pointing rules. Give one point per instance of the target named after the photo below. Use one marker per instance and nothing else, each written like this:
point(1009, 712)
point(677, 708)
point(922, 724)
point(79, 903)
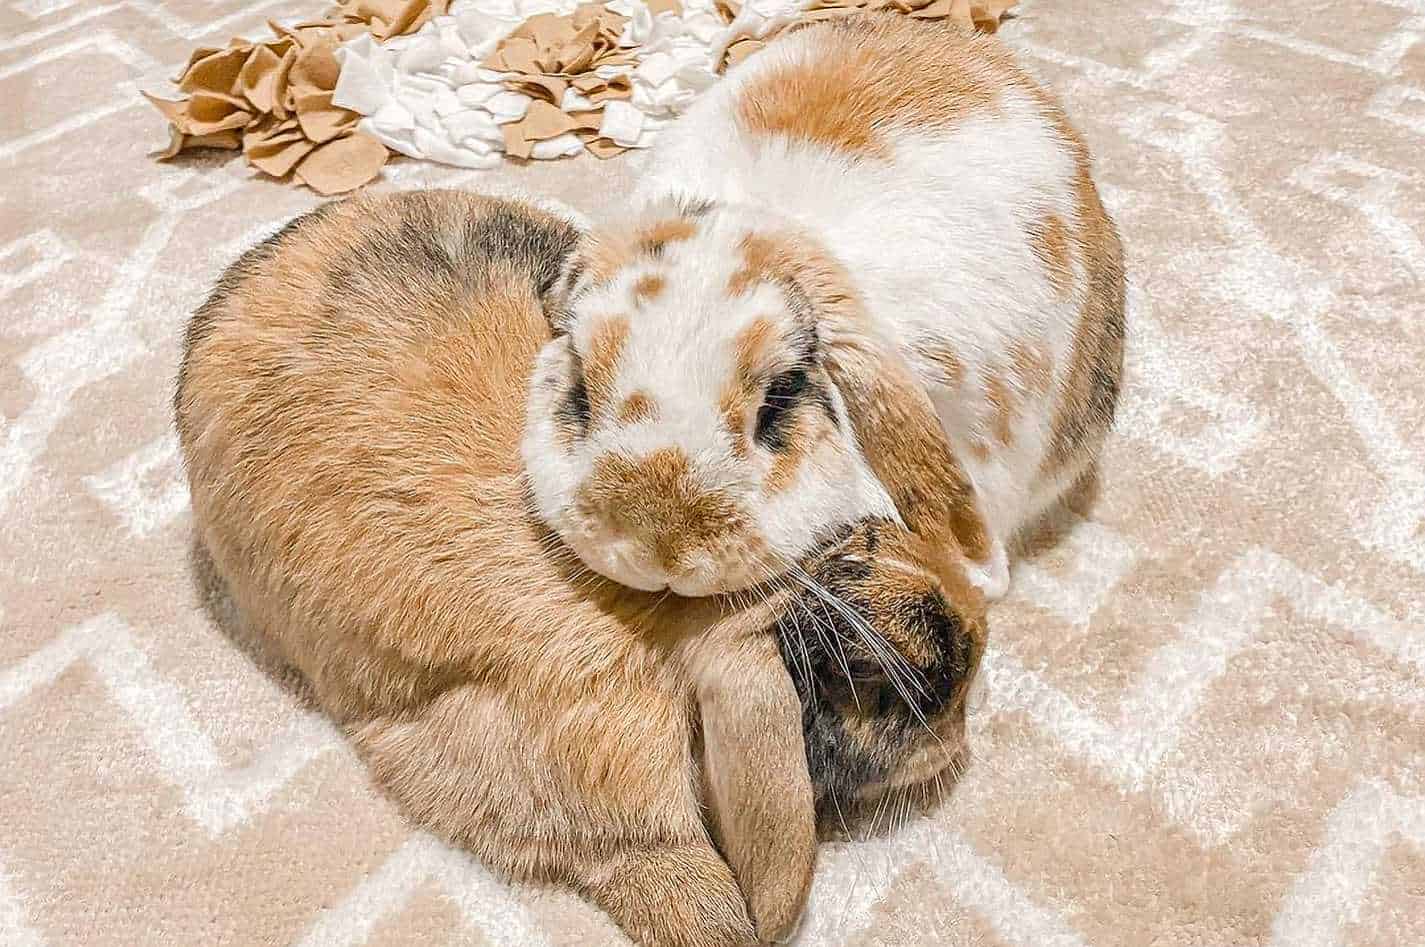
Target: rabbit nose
point(657, 494)
point(638, 490)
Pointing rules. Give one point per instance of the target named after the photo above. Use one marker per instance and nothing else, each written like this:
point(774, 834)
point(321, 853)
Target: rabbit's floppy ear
point(558, 298)
point(891, 414)
point(756, 779)
point(900, 434)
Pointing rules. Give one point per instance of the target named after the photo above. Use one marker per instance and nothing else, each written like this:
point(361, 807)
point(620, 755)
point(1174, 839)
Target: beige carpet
point(1206, 714)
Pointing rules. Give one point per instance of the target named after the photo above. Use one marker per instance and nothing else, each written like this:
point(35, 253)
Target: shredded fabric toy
point(471, 82)
point(273, 99)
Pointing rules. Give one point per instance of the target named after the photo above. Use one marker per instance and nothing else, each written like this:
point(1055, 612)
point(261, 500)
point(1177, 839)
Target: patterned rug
point(1205, 720)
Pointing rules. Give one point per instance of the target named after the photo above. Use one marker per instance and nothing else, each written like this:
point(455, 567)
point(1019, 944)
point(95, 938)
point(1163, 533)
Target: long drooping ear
point(758, 787)
point(893, 418)
point(559, 299)
point(900, 434)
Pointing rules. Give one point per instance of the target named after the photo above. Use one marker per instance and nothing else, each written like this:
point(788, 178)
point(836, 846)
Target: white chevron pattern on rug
point(1205, 713)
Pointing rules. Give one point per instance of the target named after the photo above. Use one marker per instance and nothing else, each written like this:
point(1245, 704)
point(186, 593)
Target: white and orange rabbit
point(876, 179)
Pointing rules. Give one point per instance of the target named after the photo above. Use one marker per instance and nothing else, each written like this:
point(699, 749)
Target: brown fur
point(637, 407)
point(783, 472)
point(653, 239)
point(750, 350)
point(947, 360)
point(1089, 390)
point(672, 507)
point(1033, 368)
point(376, 531)
point(1002, 401)
point(350, 405)
point(1049, 241)
point(938, 631)
point(601, 364)
point(647, 287)
point(906, 449)
point(868, 76)
point(603, 254)
point(736, 402)
point(764, 260)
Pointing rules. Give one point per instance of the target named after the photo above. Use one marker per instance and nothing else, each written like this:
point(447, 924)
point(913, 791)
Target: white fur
point(935, 240)
point(684, 366)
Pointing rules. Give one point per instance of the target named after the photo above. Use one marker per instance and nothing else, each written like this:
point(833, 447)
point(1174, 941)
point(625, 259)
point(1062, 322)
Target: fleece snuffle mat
point(472, 82)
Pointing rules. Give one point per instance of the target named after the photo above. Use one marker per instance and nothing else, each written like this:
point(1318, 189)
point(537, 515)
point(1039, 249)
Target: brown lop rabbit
point(350, 406)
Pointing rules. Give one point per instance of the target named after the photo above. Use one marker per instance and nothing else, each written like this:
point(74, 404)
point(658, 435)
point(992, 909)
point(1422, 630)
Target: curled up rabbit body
point(350, 407)
point(875, 178)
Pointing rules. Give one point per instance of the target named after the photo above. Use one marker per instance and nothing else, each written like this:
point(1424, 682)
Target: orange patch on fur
point(1089, 391)
point(783, 472)
point(657, 497)
point(1033, 367)
point(750, 346)
point(907, 450)
point(604, 254)
point(795, 263)
point(637, 407)
point(1001, 399)
point(601, 364)
point(868, 76)
point(648, 287)
point(946, 360)
point(760, 263)
point(1049, 241)
point(736, 401)
point(657, 236)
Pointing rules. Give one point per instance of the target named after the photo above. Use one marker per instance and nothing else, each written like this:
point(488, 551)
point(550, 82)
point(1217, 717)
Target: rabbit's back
point(961, 201)
point(350, 406)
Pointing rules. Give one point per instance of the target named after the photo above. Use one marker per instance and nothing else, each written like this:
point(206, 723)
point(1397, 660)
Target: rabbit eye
point(772, 417)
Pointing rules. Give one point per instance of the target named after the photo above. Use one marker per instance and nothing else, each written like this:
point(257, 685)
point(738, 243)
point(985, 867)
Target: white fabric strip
point(425, 95)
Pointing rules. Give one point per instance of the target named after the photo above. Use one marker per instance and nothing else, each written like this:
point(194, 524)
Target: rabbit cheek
point(884, 720)
point(840, 765)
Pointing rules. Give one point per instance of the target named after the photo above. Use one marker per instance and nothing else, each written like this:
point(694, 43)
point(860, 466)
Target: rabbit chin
point(699, 573)
point(916, 787)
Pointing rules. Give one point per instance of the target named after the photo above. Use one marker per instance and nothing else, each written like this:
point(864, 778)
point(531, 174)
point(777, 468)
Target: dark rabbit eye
point(772, 417)
point(875, 693)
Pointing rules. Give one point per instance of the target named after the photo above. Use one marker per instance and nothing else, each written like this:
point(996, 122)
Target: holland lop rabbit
point(350, 407)
point(869, 181)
